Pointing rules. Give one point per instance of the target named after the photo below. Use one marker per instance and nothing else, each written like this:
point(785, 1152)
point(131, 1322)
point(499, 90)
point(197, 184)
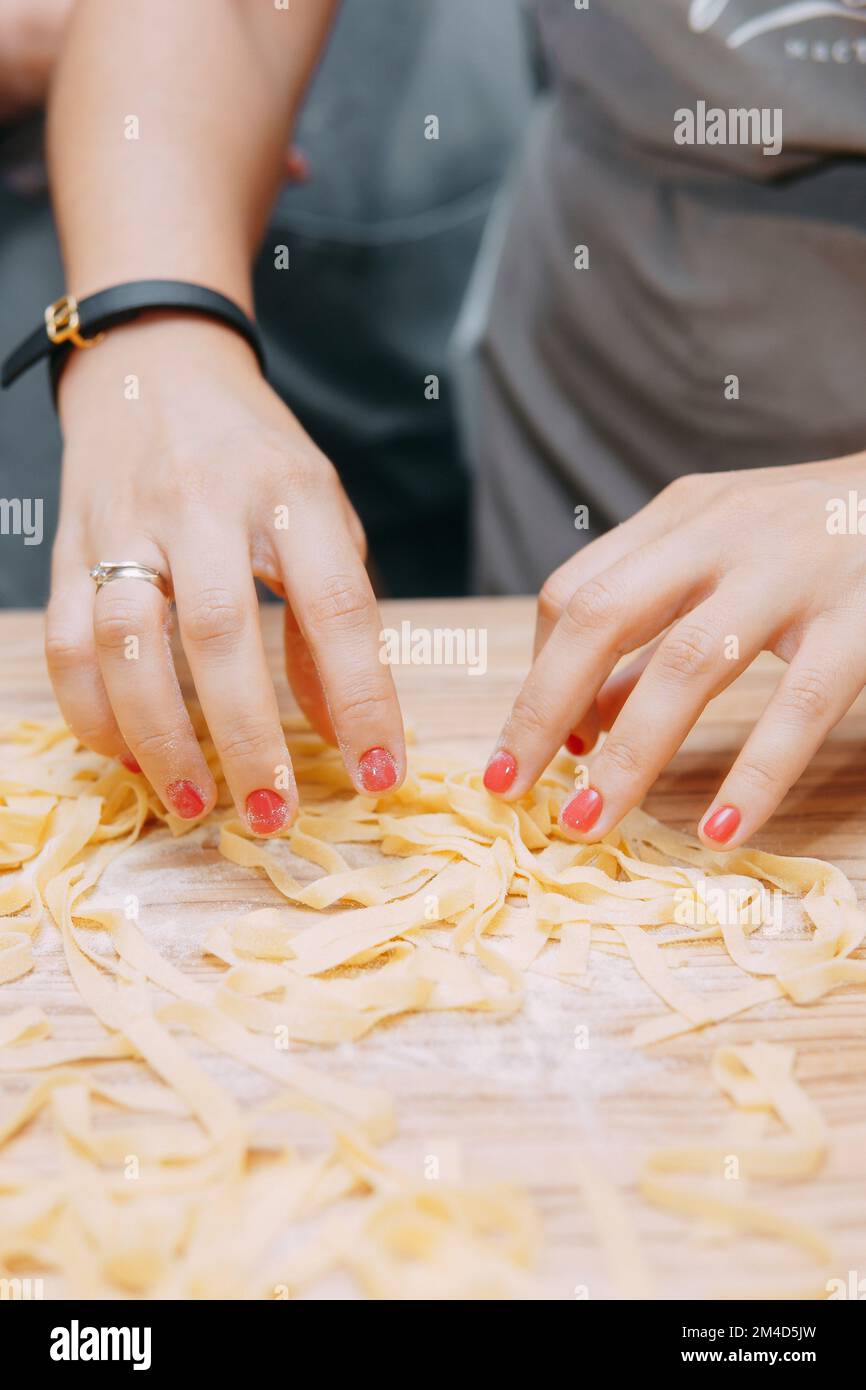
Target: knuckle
point(678, 491)
point(340, 600)
point(214, 619)
point(296, 481)
point(757, 774)
point(246, 739)
point(554, 595)
point(530, 718)
point(115, 622)
point(306, 473)
point(99, 737)
point(63, 650)
point(593, 606)
point(362, 705)
point(157, 745)
point(806, 695)
point(191, 485)
point(690, 650)
point(623, 757)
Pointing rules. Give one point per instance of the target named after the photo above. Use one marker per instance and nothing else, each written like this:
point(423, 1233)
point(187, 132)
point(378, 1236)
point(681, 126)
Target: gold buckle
point(62, 323)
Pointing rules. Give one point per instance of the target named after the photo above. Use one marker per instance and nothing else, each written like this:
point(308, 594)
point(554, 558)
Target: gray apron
point(596, 387)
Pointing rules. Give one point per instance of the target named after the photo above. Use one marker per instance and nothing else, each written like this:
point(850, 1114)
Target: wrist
point(160, 359)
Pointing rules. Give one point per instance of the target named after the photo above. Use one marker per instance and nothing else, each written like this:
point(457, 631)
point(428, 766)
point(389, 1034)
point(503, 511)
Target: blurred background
point(383, 228)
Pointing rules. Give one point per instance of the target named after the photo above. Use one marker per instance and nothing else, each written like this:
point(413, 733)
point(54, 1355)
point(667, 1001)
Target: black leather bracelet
point(69, 324)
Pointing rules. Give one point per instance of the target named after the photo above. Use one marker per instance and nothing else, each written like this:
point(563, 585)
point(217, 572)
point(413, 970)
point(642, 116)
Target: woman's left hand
point(723, 566)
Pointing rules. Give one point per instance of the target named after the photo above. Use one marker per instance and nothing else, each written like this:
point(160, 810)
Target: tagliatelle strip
point(466, 895)
point(757, 1077)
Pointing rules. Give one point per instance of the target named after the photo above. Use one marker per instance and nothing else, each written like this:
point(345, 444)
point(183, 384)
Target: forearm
point(213, 86)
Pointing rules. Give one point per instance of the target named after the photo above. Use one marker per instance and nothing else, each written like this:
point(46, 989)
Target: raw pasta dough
point(154, 1205)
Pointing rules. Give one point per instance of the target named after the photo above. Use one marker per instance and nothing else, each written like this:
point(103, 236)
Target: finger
point(130, 626)
point(817, 689)
point(593, 559)
point(611, 698)
point(73, 664)
point(698, 657)
point(582, 739)
point(333, 601)
point(613, 613)
point(649, 524)
point(218, 616)
point(304, 678)
point(618, 687)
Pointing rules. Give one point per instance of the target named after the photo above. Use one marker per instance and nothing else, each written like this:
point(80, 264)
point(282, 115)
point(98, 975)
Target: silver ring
point(107, 570)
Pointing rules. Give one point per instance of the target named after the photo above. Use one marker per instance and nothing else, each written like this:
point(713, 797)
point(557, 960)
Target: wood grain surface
point(516, 1099)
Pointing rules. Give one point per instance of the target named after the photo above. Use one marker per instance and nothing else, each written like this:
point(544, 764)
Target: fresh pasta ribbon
point(757, 1077)
point(182, 1196)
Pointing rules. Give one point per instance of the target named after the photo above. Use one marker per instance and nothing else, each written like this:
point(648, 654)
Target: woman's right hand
point(179, 456)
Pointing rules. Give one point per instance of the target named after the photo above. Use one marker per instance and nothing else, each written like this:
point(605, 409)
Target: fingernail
point(377, 769)
point(129, 763)
point(722, 824)
point(500, 772)
point(574, 744)
point(583, 810)
point(185, 799)
point(266, 811)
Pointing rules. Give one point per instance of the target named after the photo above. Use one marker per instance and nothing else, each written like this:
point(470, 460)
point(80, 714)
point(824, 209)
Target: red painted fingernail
point(500, 772)
point(266, 811)
point(186, 799)
point(583, 810)
point(574, 744)
point(378, 770)
point(129, 763)
point(722, 824)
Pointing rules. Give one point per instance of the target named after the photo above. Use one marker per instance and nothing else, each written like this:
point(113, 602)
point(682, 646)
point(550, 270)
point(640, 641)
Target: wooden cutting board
point(517, 1099)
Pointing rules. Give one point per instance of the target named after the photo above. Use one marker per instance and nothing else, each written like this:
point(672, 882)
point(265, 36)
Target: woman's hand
point(724, 566)
point(31, 34)
point(179, 456)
